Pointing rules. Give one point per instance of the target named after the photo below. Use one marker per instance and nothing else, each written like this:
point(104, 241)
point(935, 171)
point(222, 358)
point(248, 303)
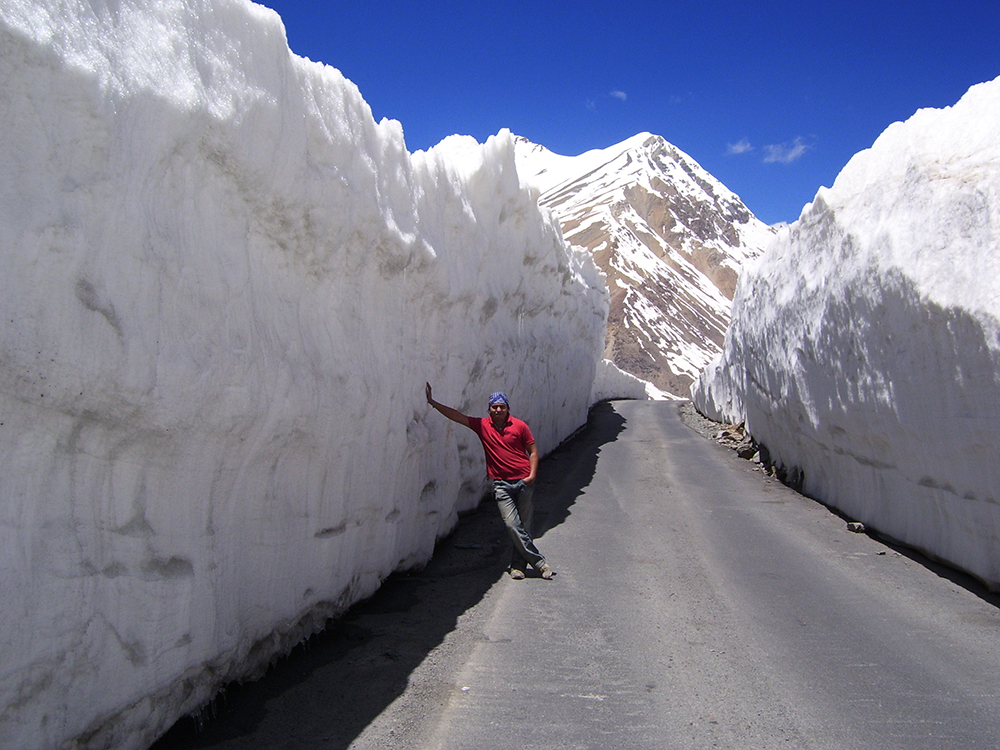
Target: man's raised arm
point(453, 414)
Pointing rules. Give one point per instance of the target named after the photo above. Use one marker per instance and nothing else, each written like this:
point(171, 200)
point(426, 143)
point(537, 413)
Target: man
point(511, 464)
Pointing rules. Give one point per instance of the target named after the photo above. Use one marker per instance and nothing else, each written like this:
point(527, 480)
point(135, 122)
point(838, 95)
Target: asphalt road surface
point(697, 604)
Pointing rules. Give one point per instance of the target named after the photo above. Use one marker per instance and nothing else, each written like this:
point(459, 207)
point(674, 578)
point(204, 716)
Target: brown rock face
point(671, 240)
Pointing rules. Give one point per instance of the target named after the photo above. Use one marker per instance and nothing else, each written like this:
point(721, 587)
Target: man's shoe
point(517, 574)
point(546, 570)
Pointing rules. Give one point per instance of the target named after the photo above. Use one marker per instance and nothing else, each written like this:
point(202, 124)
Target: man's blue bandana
point(499, 398)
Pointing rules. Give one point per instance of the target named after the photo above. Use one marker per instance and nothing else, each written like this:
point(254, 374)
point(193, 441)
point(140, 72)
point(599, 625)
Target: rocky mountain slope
point(671, 239)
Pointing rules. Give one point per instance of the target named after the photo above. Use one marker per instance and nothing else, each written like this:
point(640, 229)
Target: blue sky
point(773, 98)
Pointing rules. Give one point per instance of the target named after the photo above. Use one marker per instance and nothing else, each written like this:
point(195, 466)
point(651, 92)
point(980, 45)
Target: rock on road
point(698, 604)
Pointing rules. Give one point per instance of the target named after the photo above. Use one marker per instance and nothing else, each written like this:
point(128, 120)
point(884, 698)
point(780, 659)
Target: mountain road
point(698, 603)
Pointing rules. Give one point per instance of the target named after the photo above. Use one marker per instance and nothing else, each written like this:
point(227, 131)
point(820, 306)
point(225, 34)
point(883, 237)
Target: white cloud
point(786, 153)
point(743, 147)
point(619, 95)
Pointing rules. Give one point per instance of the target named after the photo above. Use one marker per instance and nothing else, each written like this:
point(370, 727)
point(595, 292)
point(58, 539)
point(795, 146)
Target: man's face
point(498, 412)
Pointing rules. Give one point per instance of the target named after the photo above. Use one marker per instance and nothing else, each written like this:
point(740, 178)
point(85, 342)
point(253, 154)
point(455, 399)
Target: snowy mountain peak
point(671, 239)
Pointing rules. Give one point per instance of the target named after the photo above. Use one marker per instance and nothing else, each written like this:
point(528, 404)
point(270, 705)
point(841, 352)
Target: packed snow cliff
point(865, 345)
point(225, 286)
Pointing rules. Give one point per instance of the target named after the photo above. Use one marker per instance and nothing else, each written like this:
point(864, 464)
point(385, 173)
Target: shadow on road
point(330, 687)
point(567, 471)
point(943, 570)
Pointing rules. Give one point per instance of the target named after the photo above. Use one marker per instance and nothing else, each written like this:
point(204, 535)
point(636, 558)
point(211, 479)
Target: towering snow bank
point(865, 346)
point(224, 288)
point(611, 382)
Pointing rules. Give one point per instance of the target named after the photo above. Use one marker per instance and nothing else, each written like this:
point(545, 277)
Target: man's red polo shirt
point(506, 449)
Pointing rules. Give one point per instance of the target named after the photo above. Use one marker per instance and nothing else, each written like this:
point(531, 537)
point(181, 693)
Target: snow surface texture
point(671, 240)
point(225, 288)
point(865, 345)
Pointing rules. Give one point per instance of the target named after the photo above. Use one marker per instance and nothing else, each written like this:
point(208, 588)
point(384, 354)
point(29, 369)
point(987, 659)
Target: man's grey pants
point(514, 499)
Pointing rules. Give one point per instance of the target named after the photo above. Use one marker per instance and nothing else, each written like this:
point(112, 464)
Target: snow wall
point(611, 382)
point(865, 345)
point(224, 288)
